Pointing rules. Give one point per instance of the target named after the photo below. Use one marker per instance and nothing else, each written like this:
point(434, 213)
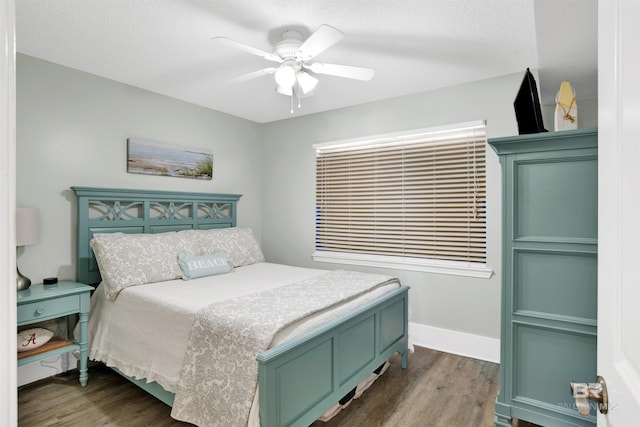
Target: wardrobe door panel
point(552, 197)
point(556, 283)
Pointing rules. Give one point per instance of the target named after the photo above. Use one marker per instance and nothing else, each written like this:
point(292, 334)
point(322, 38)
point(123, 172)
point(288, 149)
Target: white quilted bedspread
point(145, 331)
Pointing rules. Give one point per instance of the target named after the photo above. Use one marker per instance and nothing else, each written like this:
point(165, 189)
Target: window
point(412, 200)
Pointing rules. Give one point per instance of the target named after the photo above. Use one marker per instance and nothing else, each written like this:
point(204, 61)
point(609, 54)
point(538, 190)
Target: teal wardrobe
point(549, 275)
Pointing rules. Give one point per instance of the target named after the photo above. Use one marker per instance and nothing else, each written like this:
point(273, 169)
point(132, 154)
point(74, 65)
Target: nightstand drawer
point(48, 309)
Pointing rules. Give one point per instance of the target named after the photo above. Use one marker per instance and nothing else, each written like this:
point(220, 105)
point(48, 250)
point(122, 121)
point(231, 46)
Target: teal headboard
point(110, 210)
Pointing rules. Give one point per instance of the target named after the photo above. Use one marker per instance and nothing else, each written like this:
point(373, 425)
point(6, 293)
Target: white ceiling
point(165, 46)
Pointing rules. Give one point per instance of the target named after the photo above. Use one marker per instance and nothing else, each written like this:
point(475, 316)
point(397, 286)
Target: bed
point(343, 348)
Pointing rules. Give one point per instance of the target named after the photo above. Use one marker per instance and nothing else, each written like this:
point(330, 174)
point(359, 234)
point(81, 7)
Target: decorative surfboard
point(566, 115)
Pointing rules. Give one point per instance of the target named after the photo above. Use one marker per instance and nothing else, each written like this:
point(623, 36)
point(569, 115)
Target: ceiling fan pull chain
point(299, 94)
point(291, 104)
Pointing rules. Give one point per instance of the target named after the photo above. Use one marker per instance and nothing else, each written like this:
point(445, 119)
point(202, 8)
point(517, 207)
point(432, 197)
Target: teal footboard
point(300, 379)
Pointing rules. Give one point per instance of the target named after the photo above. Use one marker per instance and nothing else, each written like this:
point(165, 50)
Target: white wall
point(467, 305)
point(72, 129)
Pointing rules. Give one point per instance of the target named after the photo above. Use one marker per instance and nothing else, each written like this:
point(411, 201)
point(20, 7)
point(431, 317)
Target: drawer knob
point(40, 310)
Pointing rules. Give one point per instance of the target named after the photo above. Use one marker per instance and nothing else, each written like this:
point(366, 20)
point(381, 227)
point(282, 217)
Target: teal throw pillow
point(194, 266)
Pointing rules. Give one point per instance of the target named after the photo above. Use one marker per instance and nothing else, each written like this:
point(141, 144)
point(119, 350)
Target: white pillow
point(239, 243)
point(135, 259)
point(33, 338)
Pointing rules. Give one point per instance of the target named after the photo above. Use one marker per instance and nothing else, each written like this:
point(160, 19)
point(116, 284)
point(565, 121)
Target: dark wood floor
point(438, 389)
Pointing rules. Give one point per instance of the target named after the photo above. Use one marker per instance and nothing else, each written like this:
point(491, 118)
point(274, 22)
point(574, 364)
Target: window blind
point(417, 195)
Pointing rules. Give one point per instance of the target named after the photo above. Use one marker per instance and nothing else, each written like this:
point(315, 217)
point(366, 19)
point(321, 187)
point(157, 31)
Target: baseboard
point(455, 342)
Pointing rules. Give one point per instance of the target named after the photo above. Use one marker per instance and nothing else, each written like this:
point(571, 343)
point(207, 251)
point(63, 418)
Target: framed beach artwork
point(155, 158)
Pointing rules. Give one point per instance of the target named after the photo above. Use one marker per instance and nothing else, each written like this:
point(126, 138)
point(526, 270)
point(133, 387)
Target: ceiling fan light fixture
point(285, 76)
point(285, 90)
point(307, 82)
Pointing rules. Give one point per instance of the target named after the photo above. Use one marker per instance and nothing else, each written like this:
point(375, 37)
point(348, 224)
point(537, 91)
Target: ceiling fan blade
point(348, 71)
point(322, 39)
point(252, 75)
point(250, 49)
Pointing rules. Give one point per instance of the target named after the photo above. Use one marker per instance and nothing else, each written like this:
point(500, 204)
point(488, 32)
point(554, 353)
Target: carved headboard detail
point(111, 210)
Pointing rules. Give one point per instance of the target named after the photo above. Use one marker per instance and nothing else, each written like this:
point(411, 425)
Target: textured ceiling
point(165, 46)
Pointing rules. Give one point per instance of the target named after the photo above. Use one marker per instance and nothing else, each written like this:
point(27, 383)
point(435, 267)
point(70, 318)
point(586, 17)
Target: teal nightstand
point(39, 303)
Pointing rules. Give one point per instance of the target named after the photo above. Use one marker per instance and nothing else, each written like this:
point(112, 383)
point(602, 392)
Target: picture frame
point(155, 158)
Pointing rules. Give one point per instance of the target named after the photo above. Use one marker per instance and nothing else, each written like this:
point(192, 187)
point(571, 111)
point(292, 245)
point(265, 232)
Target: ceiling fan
point(295, 73)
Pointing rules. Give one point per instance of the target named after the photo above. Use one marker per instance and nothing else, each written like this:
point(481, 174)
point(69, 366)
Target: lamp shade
point(27, 226)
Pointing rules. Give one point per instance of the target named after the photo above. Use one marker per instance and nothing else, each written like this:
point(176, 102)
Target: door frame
point(8, 369)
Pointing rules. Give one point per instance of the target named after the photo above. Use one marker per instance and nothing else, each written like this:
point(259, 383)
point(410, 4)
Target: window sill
point(456, 268)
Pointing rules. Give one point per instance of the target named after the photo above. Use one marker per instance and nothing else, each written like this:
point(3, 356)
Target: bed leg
point(404, 359)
